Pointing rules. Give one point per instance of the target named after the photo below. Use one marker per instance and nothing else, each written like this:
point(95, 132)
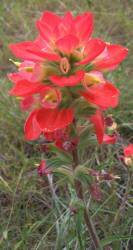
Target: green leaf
point(81, 173)
point(102, 205)
point(62, 227)
point(18, 244)
point(78, 218)
point(37, 224)
point(5, 234)
point(123, 228)
point(111, 239)
point(77, 204)
point(64, 173)
point(89, 140)
point(66, 157)
point(85, 132)
point(55, 162)
point(83, 108)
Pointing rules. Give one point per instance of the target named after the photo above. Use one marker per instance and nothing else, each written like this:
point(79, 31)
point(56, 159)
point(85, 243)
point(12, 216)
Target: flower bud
point(94, 173)
point(43, 148)
point(73, 211)
point(108, 176)
point(64, 65)
point(108, 121)
point(67, 146)
point(128, 161)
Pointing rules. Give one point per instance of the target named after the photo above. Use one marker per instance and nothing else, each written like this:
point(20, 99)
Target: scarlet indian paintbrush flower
point(63, 66)
point(61, 83)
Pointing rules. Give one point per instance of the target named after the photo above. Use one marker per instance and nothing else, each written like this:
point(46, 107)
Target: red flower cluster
point(63, 66)
point(128, 155)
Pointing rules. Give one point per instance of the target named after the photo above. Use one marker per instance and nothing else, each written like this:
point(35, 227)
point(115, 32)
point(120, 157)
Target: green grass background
point(31, 218)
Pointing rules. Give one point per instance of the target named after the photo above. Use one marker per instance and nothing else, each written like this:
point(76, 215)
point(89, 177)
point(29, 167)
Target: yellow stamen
point(28, 69)
point(46, 97)
point(16, 63)
point(97, 80)
point(50, 96)
point(107, 43)
point(91, 79)
point(19, 98)
point(113, 127)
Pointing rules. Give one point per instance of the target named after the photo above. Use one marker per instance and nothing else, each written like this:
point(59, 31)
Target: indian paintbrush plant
point(60, 82)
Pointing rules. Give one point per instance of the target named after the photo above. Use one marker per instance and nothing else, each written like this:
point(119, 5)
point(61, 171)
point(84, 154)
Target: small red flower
point(128, 155)
point(42, 169)
point(128, 151)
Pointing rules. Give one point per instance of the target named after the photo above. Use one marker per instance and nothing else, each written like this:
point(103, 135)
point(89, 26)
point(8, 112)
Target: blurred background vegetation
point(29, 218)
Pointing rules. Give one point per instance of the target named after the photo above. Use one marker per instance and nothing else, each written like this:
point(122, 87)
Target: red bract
point(28, 103)
point(26, 88)
point(99, 124)
point(84, 31)
point(112, 55)
point(46, 120)
point(62, 81)
point(109, 139)
point(58, 134)
point(98, 121)
point(32, 128)
point(104, 95)
point(53, 119)
point(93, 48)
point(61, 67)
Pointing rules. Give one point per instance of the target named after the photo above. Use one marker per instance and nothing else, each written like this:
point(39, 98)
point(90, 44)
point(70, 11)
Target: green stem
point(78, 188)
point(124, 200)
